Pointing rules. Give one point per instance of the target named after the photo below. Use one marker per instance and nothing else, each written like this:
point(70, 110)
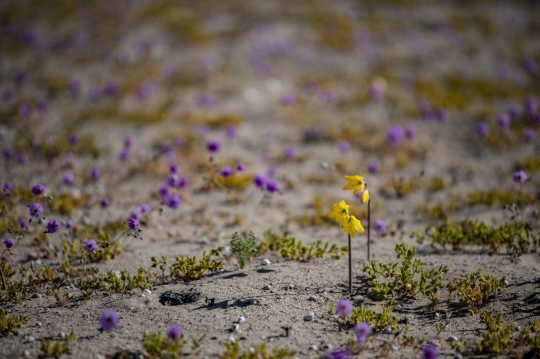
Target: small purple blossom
point(344, 307)
point(529, 135)
point(288, 99)
point(206, 101)
point(133, 224)
point(531, 106)
point(260, 181)
point(503, 121)
point(104, 203)
point(271, 171)
point(68, 179)
point(231, 131)
point(7, 188)
point(376, 92)
point(213, 146)
point(344, 146)
point(73, 139)
point(111, 89)
point(128, 142)
point(379, 226)
point(340, 353)
point(174, 169)
point(362, 331)
point(8, 243)
point(240, 167)
point(90, 246)
point(147, 89)
point(442, 115)
point(42, 106)
point(291, 153)
point(325, 96)
point(123, 156)
point(95, 173)
point(35, 210)
point(7, 154)
point(69, 224)
point(430, 351)
point(272, 186)
point(182, 182)
point(135, 214)
point(373, 167)
point(38, 189)
point(174, 202)
point(203, 130)
point(164, 191)
point(175, 332)
point(24, 110)
point(22, 158)
point(394, 135)
point(53, 227)
point(144, 208)
point(23, 224)
point(226, 172)
point(410, 132)
point(519, 177)
point(109, 319)
point(69, 157)
point(482, 129)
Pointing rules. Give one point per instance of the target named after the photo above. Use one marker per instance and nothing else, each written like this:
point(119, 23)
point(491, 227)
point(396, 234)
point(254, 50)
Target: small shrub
point(291, 248)
point(10, 324)
point(233, 351)
point(56, 348)
point(243, 248)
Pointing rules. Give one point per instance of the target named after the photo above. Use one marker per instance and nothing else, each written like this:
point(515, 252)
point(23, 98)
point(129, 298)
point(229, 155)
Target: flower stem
point(350, 265)
point(368, 227)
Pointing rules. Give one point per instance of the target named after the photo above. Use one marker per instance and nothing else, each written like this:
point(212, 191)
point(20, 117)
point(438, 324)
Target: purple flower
point(482, 129)
point(147, 89)
point(271, 171)
point(174, 169)
point(515, 110)
point(128, 142)
point(8, 243)
point(394, 135)
point(410, 132)
point(373, 167)
point(69, 224)
point(231, 131)
point(7, 154)
point(24, 110)
point(340, 353)
point(504, 121)
point(344, 307)
point(22, 158)
point(135, 214)
point(90, 246)
point(362, 331)
point(442, 115)
point(344, 146)
point(35, 210)
point(240, 167)
point(182, 182)
point(379, 226)
point(164, 191)
point(109, 319)
point(529, 134)
point(7, 188)
point(226, 171)
point(288, 99)
point(213, 146)
point(174, 202)
point(272, 186)
point(20, 77)
point(260, 181)
point(325, 96)
point(42, 106)
point(104, 203)
point(110, 89)
point(291, 152)
point(73, 139)
point(23, 224)
point(144, 208)
point(74, 87)
point(69, 157)
point(123, 156)
point(7, 95)
point(69, 179)
point(206, 100)
point(531, 106)
point(519, 177)
point(376, 92)
point(203, 130)
point(133, 224)
point(38, 189)
point(175, 332)
point(53, 227)
point(531, 65)
point(95, 173)
point(430, 351)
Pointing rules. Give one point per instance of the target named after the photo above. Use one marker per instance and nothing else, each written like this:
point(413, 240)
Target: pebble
point(394, 348)
point(327, 346)
point(27, 353)
point(400, 307)
point(30, 339)
point(388, 331)
point(458, 356)
point(253, 301)
point(235, 328)
point(267, 287)
point(313, 347)
point(309, 317)
point(452, 339)
point(230, 339)
point(241, 319)
point(312, 298)
point(36, 295)
point(265, 262)
point(358, 298)
point(506, 283)
point(38, 324)
point(147, 291)
point(62, 335)
point(142, 295)
point(290, 286)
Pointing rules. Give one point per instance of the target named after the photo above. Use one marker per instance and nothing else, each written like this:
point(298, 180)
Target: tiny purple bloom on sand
point(35, 210)
point(104, 203)
point(288, 99)
point(272, 186)
point(53, 227)
point(259, 181)
point(174, 169)
point(95, 173)
point(144, 208)
point(340, 353)
point(164, 191)
point(213, 146)
point(135, 214)
point(394, 135)
point(344, 146)
point(226, 172)
point(7, 188)
point(291, 153)
point(410, 132)
point(482, 129)
point(529, 134)
point(175, 332)
point(430, 351)
point(240, 167)
point(503, 121)
point(22, 158)
point(90, 246)
point(68, 179)
point(174, 202)
point(344, 307)
point(231, 131)
point(172, 180)
point(38, 189)
point(442, 115)
point(379, 226)
point(520, 177)
point(109, 319)
point(69, 224)
point(128, 142)
point(133, 224)
point(23, 224)
point(373, 167)
point(8, 243)
point(73, 139)
point(182, 182)
point(362, 331)
point(123, 156)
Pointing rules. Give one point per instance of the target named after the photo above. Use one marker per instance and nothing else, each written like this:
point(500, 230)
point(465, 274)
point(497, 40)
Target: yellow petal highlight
point(352, 225)
point(340, 211)
point(355, 183)
point(365, 196)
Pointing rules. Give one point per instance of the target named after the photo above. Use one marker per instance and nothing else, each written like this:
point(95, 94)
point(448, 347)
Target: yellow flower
point(340, 211)
point(356, 183)
point(352, 225)
point(365, 196)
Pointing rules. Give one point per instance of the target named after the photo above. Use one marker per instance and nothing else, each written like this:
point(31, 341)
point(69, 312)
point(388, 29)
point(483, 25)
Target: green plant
point(243, 248)
point(497, 337)
point(10, 324)
point(233, 351)
point(377, 321)
point(531, 338)
point(291, 248)
point(407, 277)
point(474, 290)
point(189, 268)
point(157, 345)
point(56, 348)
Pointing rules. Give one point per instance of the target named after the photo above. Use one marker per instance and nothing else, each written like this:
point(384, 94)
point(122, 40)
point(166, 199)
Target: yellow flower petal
point(340, 211)
point(355, 183)
point(365, 196)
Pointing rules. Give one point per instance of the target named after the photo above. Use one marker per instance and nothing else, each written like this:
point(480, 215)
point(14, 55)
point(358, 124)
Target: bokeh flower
point(69, 224)
point(291, 153)
point(344, 146)
point(362, 331)
point(68, 179)
point(352, 225)
point(340, 353)
point(95, 173)
point(175, 332)
point(379, 226)
point(355, 183)
point(365, 196)
point(340, 211)
point(272, 186)
point(529, 134)
point(394, 135)
point(38, 189)
point(430, 351)
point(104, 203)
point(35, 210)
point(344, 307)
point(109, 319)
point(503, 121)
point(240, 167)
point(174, 202)
point(260, 181)
point(8, 243)
point(410, 132)
point(90, 246)
point(6, 188)
point(373, 167)
point(226, 172)
point(133, 224)
point(482, 129)
point(53, 227)
point(519, 177)
point(213, 146)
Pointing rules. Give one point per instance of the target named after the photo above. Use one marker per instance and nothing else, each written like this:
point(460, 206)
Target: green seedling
point(10, 324)
point(157, 345)
point(188, 269)
point(291, 248)
point(243, 248)
point(56, 348)
point(234, 351)
point(377, 321)
point(497, 337)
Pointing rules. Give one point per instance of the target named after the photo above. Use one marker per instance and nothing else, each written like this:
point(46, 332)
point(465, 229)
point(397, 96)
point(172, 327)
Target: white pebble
point(253, 301)
point(400, 307)
point(38, 324)
point(62, 335)
point(267, 287)
point(265, 262)
point(313, 347)
point(142, 295)
point(394, 348)
point(452, 339)
point(27, 353)
point(327, 346)
point(290, 286)
point(235, 328)
point(240, 319)
point(506, 283)
point(312, 298)
point(147, 291)
point(230, 339)
point(309, 317)
point(388, 331)
point(30, 339)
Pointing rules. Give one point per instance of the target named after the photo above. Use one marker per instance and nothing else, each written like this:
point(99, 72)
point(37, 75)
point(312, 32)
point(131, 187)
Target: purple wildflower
point(272, 186)
point(442, 115)
point(175, 332)
point(7, 95)
point(144, 208)
point(260, 181)
point(109, 319)
point(174, 202)
point(271, 171)
point(515, 110)
point(203, 130)
point(410, 132)
point(135, 214)
point(531, 65)
point(376, 92)
point(90, 246)
point(205, 100)
point(174, 169)
point(344, 307)
point(73, 139)
point(8, 154)
point(53, 227)
point(504, 121)
point(22, 158)
point(288, 99)
point(362, 331)
point(344, 146)
point(340, 353)
point(226, 172)
point(379, 226)
point(531, 106)
point(128, 142)
point(23, 224)
point(373, 167)
point(8, 243)
point(482, 129)
point(24, 110)
point(430, 351)
point(182, 182)
point(519, 177)
point(42, 106)
point(325, 96)
point(69, 224)
point(231, 131)
point(35, 210)
point(74, 87)
point(240, 167)
point(7, 188)
point(164, 191)
point(133, 224)
point(213, 146)
point(394, 135)
point(110, 89)
point(95, 173)
point(123, 156)
point(529, 134)
point(147, 89)
point(291, 153)
point(69, 157)
point(38, 189)
point(104, 203)
point(68, 179)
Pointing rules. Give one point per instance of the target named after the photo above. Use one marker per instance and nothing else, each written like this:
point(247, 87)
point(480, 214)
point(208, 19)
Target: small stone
point(38, 324)
point(312, 298)
point(142, 295)
point(267, 287)
point(263, 337)
point(235, 328)
point(147, 291)
point(27, 354)
point(358, 298)
point(240, 319)
point(327, 346)
point(506, 283)
point(400, 307)
point(230, 339)
point(36, 295)
point(394, 348)
point(30, 339)
point(458, 356)
point(309, 317)
point(270, 340)
point(452, 339)
point(290, 286)
point(313, 347)
point(387, 331)
point(265, 262)
point(131, 308)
